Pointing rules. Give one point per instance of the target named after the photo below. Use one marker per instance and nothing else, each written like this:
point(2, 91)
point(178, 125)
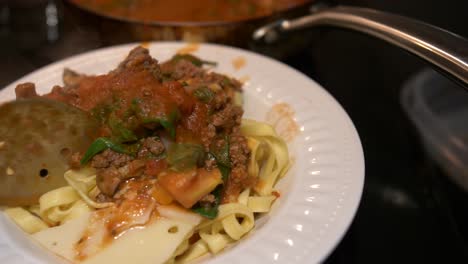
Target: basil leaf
point(100, 145)
point(225, 171)
point(183, 156)
point(119, 132)
point(168, 123)
point(221, 153)
point(210, 212)
point(204, 94)
point(169, 126)
point(102, 112)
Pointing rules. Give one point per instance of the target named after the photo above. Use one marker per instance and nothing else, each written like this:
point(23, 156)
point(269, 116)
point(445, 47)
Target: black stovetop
point(410, 211)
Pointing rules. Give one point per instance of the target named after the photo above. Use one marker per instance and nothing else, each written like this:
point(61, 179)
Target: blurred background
point(411, 210)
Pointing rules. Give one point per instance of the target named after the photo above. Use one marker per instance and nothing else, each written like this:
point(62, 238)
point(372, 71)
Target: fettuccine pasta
point(267, 149)
point(60, 205)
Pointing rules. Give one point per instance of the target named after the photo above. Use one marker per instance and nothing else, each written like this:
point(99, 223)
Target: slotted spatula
point(37, 138)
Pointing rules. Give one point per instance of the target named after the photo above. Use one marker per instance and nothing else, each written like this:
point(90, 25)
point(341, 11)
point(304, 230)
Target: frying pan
point(117, 30)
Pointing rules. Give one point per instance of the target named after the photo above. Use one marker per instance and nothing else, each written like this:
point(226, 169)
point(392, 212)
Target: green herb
point(135, 104)
point(210, 211)
point(183, 156)
point(194, 60)
point(167, 122)
point(225, 171)
point(154, 70)
point(204, 94)
point(119, 132)
point(221, 153)
point(100, 145)
point(102, 112)
point(170, 125)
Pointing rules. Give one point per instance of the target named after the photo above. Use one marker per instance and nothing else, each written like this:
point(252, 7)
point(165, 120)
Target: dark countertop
point(410, 211)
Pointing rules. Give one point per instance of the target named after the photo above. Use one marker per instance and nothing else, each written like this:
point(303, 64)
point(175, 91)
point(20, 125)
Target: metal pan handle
point(447, 51)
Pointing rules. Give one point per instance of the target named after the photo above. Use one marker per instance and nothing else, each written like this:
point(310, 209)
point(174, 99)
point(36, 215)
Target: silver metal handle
point(447, 51)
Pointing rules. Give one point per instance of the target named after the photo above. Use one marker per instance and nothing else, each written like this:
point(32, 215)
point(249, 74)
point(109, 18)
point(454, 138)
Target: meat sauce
point(142, 101)
point(122, 90)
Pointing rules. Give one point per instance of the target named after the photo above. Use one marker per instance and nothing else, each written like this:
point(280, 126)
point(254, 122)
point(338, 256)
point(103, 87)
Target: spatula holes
point(65, 152)
point(43, 173)
point(173, 230)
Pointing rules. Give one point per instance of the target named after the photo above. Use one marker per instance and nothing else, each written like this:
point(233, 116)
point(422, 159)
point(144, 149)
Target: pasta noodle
point(269, 152)
point(54, 206)
point(244, 197)
point(260, 204)
point(84, 183)
point(60, 205)
point(195, 251)
point(25, 220)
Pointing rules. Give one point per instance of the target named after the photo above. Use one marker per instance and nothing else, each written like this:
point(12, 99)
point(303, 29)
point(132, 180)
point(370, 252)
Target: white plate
point(321, 192)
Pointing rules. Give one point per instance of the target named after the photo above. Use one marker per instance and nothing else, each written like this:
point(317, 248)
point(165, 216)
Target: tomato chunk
point(188, 187)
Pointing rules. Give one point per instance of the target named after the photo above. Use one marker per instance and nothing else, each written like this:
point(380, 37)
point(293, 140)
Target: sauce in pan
point(188, 10)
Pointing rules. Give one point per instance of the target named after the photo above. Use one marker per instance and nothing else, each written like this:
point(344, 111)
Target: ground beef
point(224, 80)
point(25, 90)
point(210, 164)
point(207, 201)
point(109, 158)
point(186, 69)
point(151, 146)
point(102, 198)
point(209, 198)
point(238, 181)
point(220, 100)
point(61, 94)
point(181, 69)
point(207, 135)
point(71, 79)
point(228, 118)
point(238, 149)
point(239, 178)
point(138, 56)
point(109, 179)
point(113, 168)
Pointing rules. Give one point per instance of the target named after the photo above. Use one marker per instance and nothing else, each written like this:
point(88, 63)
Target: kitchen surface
point(411, 211)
